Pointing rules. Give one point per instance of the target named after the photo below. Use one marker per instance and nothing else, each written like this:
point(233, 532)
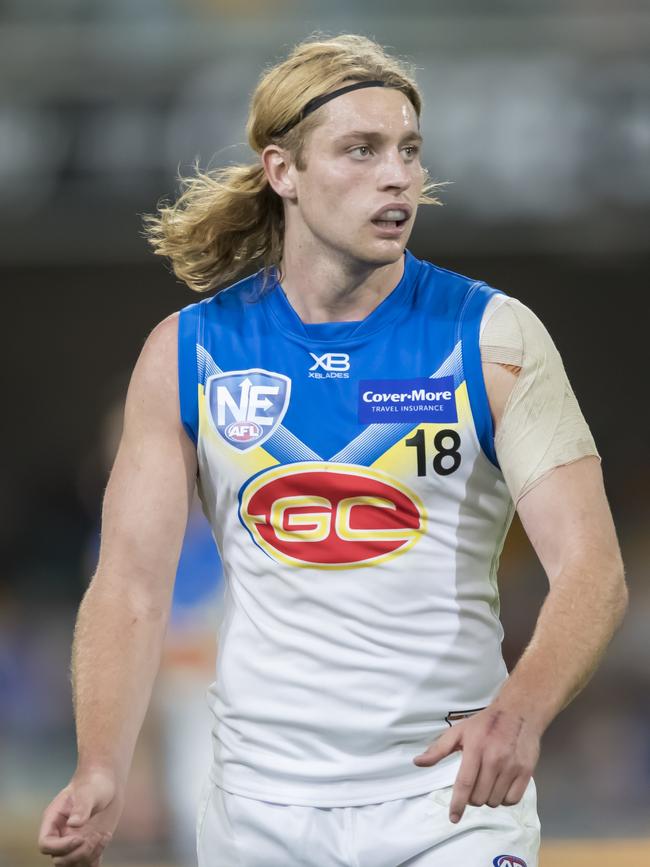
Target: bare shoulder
point(150, 488)
point(159, 355)
point(164, 337)
point(153, 390)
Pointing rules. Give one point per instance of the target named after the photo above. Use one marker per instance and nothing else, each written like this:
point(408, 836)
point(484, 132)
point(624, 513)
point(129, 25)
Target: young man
point(362, 423)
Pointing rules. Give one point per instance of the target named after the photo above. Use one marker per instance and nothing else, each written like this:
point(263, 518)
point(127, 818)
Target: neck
point(327, 288)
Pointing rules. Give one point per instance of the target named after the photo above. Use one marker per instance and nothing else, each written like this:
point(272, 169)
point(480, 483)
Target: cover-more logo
point(330, 516)
point(246, 406)
point(330, 365)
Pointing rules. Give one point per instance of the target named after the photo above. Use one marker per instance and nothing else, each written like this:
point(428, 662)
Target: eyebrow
point(378, 137)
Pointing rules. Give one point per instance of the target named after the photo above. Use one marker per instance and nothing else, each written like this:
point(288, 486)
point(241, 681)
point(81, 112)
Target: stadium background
point(539, 115)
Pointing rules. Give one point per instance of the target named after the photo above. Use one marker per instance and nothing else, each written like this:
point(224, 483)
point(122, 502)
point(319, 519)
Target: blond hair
point(228, 217)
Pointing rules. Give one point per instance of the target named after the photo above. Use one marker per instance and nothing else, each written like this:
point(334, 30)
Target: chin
point(377, 254)
point(387, 253)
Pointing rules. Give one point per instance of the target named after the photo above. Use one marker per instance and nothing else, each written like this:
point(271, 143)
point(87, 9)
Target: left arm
point(567, 519)
point(569, 524)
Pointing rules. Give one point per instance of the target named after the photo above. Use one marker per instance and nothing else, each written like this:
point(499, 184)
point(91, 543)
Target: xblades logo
point(335, 365)
point(331, 361)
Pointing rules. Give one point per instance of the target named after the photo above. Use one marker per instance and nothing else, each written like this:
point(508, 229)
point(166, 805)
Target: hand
point(500, 750)
point(80, 821)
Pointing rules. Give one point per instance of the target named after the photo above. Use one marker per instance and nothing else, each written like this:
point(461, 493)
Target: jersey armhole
point(188, 336)
point(469, 328)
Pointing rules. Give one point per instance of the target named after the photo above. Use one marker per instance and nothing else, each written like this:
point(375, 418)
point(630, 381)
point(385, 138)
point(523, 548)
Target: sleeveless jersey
point(349, 475)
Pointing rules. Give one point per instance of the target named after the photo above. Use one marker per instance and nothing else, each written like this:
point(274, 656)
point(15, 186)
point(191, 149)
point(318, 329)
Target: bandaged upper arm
point(542, 426)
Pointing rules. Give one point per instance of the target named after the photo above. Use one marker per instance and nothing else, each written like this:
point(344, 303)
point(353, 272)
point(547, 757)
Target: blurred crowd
point(37, 750)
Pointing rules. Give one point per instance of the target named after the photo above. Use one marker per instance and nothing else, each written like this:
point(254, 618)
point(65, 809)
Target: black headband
point(315, 103)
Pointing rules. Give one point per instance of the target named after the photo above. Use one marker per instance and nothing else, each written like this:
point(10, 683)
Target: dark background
point(73, 333)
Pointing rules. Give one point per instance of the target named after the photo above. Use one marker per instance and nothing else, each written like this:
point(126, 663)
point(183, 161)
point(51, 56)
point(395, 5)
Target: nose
point(394, 173)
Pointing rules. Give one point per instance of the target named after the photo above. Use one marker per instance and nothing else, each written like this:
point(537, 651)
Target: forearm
point(115, 656)
point(576, 623)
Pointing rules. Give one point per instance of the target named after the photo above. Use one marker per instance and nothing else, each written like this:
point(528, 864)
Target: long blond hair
point(226, 218)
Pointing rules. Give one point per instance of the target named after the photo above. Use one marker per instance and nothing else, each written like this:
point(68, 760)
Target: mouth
point(392, 218)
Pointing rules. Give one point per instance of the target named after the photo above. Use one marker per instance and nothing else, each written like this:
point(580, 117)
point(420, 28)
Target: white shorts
point(236, 831)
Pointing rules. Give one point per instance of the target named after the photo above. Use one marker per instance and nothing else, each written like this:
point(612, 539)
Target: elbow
point(623, 597)
point(137, 595)
point(620, 594)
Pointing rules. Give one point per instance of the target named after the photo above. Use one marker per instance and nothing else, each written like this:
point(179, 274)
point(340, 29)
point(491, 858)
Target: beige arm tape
point(542, 426)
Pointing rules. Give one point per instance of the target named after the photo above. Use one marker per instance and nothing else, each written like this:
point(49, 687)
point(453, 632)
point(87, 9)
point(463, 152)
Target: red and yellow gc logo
point(330, 516)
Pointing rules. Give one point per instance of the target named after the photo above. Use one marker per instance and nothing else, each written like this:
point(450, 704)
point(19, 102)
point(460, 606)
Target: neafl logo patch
point(508, 861)
point(330, 516)
point(246, 406)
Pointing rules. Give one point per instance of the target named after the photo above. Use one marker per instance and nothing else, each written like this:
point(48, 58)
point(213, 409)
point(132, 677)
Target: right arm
point(122, 619)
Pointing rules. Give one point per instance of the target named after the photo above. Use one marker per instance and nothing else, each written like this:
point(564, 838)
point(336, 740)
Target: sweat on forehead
point(319, 101)
point(372, 115)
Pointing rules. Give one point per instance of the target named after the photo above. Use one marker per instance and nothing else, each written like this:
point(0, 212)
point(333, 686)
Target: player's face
point(359, 191)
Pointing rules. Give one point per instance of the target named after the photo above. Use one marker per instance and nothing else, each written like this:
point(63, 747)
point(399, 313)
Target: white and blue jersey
point(348, 472)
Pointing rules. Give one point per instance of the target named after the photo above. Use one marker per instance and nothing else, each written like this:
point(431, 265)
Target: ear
point(279, 170)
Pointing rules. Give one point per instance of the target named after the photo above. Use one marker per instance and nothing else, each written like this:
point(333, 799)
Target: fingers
point(58, 846)
point(498, 771)
point(499, 790)
point(69, 830)
point(464, 785)
point(88, 854)
point(86, 799)
point(516, 791)
point(503, 780)
point(82, 810)
point(480, 787)
point(446, 744)
point(54, 822)
point(499, 756)
point(55, 837)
